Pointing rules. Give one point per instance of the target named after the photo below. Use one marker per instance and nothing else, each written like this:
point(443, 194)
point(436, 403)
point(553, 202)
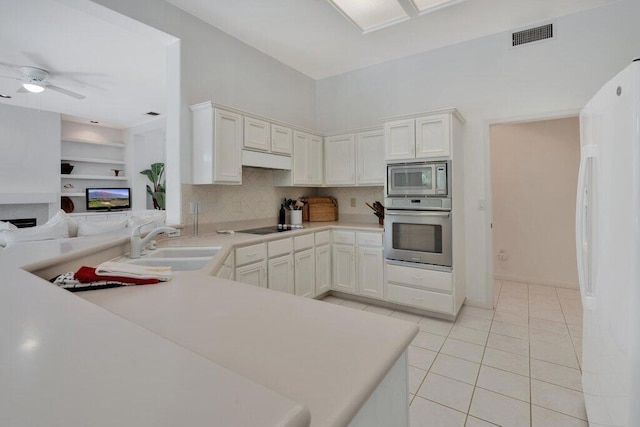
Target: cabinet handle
point(417, 277)
point(417, 299)
point(251, 255)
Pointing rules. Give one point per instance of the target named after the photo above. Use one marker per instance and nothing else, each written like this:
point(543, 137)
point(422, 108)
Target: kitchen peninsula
point(166, 350)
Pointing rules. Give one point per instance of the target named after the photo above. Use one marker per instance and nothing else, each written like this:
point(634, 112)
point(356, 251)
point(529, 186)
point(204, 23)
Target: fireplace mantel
point(27, 198)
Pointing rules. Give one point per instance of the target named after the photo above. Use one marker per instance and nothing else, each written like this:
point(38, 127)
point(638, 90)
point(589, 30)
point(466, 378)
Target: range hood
point(257, 159)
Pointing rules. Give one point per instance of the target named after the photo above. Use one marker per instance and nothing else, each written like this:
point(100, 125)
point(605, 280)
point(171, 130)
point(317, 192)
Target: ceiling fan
point(36, 80)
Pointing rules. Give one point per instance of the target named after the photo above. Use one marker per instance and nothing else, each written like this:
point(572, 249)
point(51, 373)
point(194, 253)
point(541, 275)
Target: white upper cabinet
point(315, 160)
point(257, 134)
point(433, 136)
point(217, 145)
point(400, 139)
point(281, 139)
point(301, 173)
point(307, 162)
point(370, 155)
point(340, 159)
point(354, 159)
point(428, 136)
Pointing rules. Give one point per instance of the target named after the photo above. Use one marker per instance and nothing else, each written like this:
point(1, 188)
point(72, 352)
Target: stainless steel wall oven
point(418, 213)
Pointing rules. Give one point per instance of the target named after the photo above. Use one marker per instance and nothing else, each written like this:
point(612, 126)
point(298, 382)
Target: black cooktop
point(269, 230)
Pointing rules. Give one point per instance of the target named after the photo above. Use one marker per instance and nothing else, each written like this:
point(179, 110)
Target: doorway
point(534, 172)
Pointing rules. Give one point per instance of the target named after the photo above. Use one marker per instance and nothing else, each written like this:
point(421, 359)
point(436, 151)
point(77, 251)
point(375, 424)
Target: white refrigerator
point(608, 246)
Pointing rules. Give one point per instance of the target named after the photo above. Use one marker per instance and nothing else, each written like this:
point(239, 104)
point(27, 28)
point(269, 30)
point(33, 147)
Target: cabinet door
point(227, 143)
point(344, 268)
point(323, 269)
point(315, 162)
point(227, 270)
point(253, 274)
point(370, 272)
point(257, 134)
point(281, 139)
point(433, 136)
point(370, 155)
point(305, 273)
point(340, 162)
point(280, 273)
point(400, 140)
point(301, 142)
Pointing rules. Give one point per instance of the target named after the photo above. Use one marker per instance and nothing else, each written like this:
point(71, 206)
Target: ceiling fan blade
point(66, 92)
point(22, 90)
point(11, 67)
point(9, 77)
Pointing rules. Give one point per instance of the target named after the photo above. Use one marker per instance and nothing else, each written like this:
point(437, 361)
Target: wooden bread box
point(320, 209)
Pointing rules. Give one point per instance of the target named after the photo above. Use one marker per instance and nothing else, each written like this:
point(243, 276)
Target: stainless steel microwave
point(418, 179)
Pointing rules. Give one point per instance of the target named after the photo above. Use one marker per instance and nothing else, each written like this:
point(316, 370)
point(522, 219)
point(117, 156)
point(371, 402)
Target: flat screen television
point(108, 199)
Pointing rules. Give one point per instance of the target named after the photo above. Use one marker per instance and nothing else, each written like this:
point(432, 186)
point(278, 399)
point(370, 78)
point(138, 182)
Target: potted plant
point(157, 193)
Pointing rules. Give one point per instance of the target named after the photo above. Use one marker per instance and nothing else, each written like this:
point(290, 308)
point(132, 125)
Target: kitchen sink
point(178, 258)
point(183, 252)
point(176, 264)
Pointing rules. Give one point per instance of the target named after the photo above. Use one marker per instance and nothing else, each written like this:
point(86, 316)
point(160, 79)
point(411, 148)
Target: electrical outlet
point(353, 202)
point(503, 255)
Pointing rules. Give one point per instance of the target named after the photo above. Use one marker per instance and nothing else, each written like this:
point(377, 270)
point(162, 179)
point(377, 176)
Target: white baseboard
point(536, 281)
point(477, 303)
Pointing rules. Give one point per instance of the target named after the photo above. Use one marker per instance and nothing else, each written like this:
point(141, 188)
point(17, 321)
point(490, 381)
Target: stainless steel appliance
point(419, 236)
point(418, 179)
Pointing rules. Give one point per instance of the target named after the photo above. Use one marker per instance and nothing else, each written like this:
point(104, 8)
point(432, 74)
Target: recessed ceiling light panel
point(426, 6)
point(371, 15)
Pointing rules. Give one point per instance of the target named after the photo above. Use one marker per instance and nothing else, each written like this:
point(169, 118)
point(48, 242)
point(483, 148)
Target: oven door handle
point(438, 214)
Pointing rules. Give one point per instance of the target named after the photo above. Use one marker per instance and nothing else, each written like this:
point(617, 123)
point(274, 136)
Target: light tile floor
point(517, 365)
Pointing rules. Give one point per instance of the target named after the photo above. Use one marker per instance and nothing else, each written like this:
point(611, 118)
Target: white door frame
point(561, 114)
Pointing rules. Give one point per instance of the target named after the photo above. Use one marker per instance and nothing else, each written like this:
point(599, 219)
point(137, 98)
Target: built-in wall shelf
point(73, 195)
point(94, 177)
point(92, 160)
point(88, 141)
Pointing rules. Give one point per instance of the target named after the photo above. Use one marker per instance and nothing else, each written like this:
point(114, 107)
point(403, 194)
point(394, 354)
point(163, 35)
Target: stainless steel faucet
point(137, 243)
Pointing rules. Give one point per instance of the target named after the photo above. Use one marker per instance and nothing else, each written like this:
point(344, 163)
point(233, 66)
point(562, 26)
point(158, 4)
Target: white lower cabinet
point(323, 269)
point(422, 288)
point(281, 274)
point(358, 263)
point(227, 269)
point(370, 272)
point(305, 278)
point(253, 274)
point(344, 268)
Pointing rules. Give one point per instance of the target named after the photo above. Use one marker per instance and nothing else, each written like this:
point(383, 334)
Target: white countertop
point(324, 357)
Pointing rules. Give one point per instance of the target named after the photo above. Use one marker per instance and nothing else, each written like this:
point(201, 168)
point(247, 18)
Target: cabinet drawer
point(280, 247)
point(370, 239)
point(250, 254)
point(427, 300)
point(421, 278)
point(344, 237)
point(303, 242)
point(322, 237)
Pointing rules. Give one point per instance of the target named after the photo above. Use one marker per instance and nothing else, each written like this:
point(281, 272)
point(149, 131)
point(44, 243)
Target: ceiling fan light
point(32, 87)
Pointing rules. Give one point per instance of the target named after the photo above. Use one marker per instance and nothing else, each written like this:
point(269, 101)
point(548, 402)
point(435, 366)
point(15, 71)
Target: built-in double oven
point(418, 213)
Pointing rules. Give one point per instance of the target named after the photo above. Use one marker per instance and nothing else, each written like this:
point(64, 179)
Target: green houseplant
point(157, 193)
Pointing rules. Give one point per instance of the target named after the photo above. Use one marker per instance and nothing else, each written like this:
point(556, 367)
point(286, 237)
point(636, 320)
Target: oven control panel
point(418, 203)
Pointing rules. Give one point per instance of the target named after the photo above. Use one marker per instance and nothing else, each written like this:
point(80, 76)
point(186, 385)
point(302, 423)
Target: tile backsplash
point(256, 198)
point(361, 195)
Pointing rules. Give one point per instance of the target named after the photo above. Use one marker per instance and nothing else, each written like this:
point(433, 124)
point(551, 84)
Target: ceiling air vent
point(530, 35)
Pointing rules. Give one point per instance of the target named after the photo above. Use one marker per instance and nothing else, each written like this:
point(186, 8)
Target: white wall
point(146, 144)
point(487, 80)
point(534, 176)
point(29, 150)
